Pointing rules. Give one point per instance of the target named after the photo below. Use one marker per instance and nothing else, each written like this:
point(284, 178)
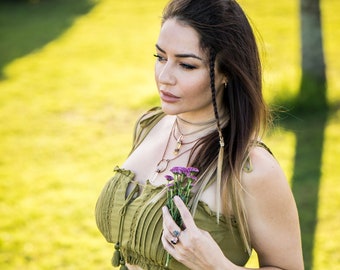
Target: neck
point(187, 131)
point(200, 124)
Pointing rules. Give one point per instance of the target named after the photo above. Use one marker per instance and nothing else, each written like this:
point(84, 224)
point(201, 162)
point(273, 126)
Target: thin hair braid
point(212, 86)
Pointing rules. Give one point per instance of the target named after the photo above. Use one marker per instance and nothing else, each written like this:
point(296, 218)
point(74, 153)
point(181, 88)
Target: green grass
point(74, 75)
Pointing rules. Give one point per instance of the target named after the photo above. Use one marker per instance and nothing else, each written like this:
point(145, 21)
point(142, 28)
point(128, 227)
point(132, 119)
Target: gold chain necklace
point(180, 141)
point(163, 164)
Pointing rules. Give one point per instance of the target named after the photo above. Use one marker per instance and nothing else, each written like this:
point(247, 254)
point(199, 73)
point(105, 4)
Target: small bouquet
point(179, 184)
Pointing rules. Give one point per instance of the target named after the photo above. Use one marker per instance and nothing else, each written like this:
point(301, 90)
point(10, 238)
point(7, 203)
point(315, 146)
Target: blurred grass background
point(74, 76)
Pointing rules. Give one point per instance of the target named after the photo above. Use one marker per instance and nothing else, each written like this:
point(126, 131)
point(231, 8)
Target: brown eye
point(159, 58)
point(187, 66)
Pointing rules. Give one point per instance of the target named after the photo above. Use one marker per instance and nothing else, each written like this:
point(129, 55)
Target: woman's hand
point(192, 246)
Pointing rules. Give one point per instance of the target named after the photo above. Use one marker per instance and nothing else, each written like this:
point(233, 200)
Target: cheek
point(156, 72)
point(200, 87)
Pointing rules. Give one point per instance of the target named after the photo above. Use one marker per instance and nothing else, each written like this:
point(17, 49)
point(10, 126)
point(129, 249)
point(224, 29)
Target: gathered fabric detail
point(118, 258)
point(133, 224)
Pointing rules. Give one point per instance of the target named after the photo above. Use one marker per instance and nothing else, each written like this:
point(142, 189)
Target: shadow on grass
point(28, 25)
point(309, 128)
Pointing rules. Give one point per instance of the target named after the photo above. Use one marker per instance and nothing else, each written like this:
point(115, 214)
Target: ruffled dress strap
point(248, 167)
point(144, 124)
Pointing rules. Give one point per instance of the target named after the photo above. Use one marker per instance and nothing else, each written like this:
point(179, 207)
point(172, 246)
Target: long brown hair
point(227, 37)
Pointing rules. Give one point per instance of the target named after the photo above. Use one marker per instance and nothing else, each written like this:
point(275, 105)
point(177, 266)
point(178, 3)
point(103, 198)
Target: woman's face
point(182, 73)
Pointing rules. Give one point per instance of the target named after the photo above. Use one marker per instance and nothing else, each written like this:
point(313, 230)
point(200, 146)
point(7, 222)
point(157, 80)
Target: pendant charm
point(162, 165)
point(178, 146)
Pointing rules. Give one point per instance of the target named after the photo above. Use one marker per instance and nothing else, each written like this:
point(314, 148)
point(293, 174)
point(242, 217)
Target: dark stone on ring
point(174, 241)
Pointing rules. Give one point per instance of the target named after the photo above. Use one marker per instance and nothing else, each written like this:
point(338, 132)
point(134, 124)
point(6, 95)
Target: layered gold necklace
point(180, 139)
point(179, 136)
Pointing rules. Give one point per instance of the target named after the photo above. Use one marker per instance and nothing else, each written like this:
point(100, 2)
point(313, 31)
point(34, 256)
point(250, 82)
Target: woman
point(212, 114)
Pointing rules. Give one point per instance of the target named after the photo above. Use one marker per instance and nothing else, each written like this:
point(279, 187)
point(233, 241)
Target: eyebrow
point(181, 55)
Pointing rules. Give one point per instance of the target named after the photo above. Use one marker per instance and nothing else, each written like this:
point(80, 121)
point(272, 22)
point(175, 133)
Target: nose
point(165, 73)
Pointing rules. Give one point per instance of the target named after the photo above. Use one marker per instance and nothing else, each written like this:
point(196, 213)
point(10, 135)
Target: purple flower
point(170, 184)
point(192, 177)
point(180, 184)
point(179, 170)
point(169, 178)
point(192, 170)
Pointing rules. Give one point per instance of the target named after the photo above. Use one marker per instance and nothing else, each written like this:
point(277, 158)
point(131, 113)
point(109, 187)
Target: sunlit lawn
point(74, 75)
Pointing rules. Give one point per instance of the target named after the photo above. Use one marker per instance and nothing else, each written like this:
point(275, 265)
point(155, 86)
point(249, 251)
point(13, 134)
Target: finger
point(169, 240)
point(185, 213)
point(168, 221)
point(166, 244)
point(170, 228)
point(166, 215)
point(170, 248)
point(171, 237)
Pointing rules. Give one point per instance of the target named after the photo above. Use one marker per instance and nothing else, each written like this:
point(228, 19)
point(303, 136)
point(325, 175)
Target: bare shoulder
point(271, 211)
point(265, 170)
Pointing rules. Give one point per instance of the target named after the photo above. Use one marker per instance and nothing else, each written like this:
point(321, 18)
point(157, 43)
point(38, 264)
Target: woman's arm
point(272, 215)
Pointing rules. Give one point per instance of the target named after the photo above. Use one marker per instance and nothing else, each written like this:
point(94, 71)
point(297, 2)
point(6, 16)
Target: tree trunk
point(313, 82)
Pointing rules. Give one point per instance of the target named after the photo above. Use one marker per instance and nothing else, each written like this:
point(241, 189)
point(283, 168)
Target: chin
point(169, 110)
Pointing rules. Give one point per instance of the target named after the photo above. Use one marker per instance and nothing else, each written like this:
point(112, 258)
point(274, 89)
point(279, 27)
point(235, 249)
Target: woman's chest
point(154, 158)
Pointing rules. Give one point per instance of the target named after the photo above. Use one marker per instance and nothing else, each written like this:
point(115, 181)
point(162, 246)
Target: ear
point(220, 79)
point(225, 81)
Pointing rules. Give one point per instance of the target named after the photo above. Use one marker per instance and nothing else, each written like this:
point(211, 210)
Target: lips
point(168, 97)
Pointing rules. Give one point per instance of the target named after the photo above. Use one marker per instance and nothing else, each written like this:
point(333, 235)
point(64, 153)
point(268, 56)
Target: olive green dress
point(134, 223)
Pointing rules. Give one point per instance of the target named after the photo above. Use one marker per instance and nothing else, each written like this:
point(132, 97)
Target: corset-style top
point(134, 221)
